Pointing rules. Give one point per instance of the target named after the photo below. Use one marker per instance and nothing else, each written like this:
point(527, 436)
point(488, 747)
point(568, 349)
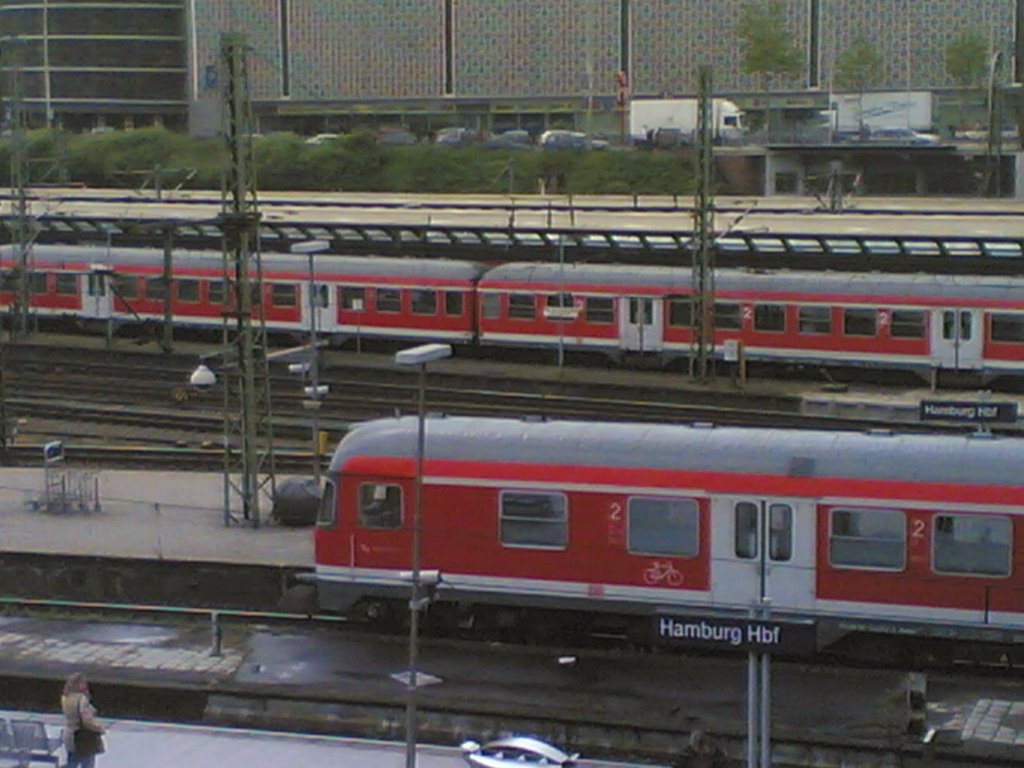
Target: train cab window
point(1006, 327)
point(521, 306)
point(769, 317)
point(327, 514)
point(155, 288)
point(662, 527)
point(125, 287)
point(906, 324)
point(860, 322)
point(380, 506)
point(423, 302)
point(490, 306)
point(680, 313)
point(188, 290)
point(453, 303)
point(868, 538)
point(598, 309)
point(352, 298)
point(67, 285)
point(975, 545)
point(815, 320)
point(215, 291)
point(37, 282)
point(389, 300)
point(728, 317)
point(284, 295)
point(533, 519)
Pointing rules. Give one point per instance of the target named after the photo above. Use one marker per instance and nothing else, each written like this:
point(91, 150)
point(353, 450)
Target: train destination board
point(955, 410)
point(724, 634)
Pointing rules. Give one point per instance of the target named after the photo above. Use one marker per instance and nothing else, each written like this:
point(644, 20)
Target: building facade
point(318, 65)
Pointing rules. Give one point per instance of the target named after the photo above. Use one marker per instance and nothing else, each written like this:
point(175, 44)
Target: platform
point(148, 515)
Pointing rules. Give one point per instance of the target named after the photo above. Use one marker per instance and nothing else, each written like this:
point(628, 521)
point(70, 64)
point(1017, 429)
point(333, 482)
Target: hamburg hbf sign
point(721, 634)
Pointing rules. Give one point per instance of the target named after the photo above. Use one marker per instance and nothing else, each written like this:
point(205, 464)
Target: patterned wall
point(535, 47)
point(366, 48)
point(911, 35)
point(673, 38)
point(260, 21)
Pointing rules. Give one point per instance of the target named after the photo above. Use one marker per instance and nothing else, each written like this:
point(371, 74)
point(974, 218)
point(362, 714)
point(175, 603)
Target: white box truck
point(651, 119)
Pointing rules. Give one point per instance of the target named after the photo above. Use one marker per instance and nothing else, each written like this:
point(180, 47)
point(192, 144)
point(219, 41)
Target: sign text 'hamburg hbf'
point(955, 410)
point(720, 634)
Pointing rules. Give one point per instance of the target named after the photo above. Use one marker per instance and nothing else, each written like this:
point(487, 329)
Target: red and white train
point(919, 532)
point(924, 322)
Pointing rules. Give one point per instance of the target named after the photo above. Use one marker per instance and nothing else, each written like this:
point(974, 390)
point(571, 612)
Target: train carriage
point(637, 519)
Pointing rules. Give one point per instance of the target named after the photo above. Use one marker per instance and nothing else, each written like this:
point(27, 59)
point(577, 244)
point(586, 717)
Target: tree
point(857, 67)
point(966, 61)
point(768, 48)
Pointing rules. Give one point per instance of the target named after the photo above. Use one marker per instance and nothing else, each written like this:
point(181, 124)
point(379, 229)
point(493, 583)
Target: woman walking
point(82, 732)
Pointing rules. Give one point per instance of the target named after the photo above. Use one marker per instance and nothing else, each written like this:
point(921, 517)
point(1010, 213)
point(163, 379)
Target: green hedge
point(354, 162)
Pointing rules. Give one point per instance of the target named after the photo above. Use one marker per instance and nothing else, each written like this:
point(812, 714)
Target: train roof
point(957, 459)
point(325, 264)
point(678, 279)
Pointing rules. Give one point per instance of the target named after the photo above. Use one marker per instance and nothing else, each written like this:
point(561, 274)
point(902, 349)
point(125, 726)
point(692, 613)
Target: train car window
point(769, 317)
point(215, 291)
point(453, 303)
point(67, 285)
point(327, 512)
point(966, 326)
point(815, 320)
point(860, 322)
point(352, 298)
point(389, 300)
point(533, 519)
point(8, 281)
point(780, 532)
point(188, 290)
point(680, 313)
point(37, 282)
point(662, 527)
point(1006, 327)
point(907, 324)
point(490, 306)
point(126, 287)
point(155, 288)
point(423, 302)
point(746, 529)
point(950, 325)
point(728, 317)
point(598, 309)
point(380, 506)
point(641, 311)
point(975, 545)
point(284, 295)
point(868, 538)
point(521, 306)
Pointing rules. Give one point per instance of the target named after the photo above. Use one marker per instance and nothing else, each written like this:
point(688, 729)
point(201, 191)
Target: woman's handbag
point(87, 741)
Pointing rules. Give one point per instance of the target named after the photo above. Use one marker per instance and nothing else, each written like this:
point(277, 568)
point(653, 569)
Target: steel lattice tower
point(21, 215)
point(702, 317)
point(248, 432)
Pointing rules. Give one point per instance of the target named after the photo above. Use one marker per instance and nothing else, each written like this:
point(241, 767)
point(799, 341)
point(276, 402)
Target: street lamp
point(314, 392)
point(419, 356)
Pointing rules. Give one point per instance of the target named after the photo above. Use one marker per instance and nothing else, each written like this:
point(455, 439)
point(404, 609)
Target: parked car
point(902, 136)
point(514, 139)
point(515, 752)
point(395, 137)
point(321, 138)
point(559, 139)
point(457, 136)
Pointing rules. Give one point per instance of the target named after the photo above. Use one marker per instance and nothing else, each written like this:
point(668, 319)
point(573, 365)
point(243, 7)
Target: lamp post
point(314, 392)
point(419, 356)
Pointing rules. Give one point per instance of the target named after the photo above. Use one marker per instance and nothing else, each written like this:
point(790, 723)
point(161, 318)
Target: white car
point(515, 752)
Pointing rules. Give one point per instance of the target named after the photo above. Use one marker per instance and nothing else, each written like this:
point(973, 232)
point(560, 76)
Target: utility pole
point(248, 432)
point(702, 317)
point(11, 49)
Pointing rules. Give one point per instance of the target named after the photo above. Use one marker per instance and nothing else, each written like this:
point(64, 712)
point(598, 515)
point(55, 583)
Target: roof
point(804, 453)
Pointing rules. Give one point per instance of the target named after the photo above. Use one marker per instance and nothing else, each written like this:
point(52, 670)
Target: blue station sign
point(725, 634)
point(978, 412)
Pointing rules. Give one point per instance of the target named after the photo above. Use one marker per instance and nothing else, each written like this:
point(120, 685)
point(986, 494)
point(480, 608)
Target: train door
point(321, 305)
point(957, 338)
point(765, 549)
point(97, 294)
point(640, 324)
